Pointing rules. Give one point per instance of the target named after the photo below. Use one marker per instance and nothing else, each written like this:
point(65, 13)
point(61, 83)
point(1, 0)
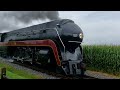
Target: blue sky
point(99, 27)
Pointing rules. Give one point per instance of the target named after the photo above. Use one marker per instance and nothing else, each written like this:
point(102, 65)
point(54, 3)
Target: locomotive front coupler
point(75, 67)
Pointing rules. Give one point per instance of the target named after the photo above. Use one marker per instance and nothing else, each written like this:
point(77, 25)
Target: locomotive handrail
point(58, 37)
point(61, 42)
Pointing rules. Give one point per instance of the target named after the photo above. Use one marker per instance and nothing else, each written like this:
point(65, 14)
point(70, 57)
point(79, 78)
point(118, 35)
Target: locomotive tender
point(56, 43)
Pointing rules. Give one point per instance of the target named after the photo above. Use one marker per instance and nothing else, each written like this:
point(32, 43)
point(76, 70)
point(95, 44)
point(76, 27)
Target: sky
point(99, 27)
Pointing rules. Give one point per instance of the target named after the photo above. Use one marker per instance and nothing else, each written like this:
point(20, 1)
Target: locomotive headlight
point(81, 35)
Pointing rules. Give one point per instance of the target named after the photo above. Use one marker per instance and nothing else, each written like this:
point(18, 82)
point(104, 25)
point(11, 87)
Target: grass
point(14, 76)
point(14, 73)
point(102, 58)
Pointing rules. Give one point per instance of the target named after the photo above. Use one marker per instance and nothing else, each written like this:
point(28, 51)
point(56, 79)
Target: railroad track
point(47, 70)
point(52, 72)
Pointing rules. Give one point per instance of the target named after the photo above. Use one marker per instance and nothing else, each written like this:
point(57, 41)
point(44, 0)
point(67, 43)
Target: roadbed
point(100, 75)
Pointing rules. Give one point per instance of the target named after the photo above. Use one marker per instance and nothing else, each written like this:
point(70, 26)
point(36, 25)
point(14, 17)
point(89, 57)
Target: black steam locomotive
point(56, 43)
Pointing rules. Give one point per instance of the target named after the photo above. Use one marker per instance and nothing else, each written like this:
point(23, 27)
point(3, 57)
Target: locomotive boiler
point(56, 43)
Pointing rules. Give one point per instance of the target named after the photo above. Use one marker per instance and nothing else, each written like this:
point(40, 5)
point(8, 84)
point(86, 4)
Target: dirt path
point(100, 75)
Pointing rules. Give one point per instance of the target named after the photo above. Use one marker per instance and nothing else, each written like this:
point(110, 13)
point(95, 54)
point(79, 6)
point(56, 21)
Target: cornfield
point(102, 58)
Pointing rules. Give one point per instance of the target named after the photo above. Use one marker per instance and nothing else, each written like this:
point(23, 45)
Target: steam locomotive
point(56, 43)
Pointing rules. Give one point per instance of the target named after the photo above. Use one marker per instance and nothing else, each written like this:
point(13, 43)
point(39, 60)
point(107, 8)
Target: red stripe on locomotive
point(48, 43)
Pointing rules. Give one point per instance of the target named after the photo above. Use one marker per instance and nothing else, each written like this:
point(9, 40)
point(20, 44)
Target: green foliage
point(14, 73)
point(102, 58)
point(14, 76)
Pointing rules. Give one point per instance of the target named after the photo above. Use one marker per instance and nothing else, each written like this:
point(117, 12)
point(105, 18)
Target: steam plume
point(16, 19)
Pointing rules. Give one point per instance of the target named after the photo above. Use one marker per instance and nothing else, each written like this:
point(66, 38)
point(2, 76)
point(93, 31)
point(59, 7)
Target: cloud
point(102, 28)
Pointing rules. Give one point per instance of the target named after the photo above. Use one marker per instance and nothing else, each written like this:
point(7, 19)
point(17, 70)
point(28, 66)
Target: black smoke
point(15, 19)
point(28, 16)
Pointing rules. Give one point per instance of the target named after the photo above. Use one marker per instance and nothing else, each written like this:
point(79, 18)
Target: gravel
point(100, 75)
point(18, 67)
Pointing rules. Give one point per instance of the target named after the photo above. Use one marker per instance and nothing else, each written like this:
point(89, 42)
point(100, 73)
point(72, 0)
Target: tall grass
point(102, 58)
